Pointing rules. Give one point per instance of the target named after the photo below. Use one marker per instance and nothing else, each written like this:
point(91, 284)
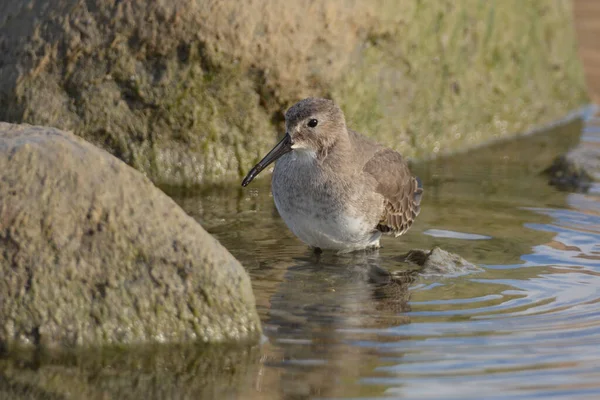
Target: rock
point(574, 170)
point(579, 168)
point(91, 253)
point(192, 92)
point(439, 262)
point(586, 15)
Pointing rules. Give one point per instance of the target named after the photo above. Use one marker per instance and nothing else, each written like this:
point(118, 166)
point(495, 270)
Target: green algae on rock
point(442, 76)
point(192, 92)
point(91, 254)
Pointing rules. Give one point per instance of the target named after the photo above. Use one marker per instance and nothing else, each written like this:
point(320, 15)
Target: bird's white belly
point(315, 211)
point(327, 229)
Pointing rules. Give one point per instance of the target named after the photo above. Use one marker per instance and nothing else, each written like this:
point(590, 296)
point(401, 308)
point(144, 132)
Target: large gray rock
point(91, 253)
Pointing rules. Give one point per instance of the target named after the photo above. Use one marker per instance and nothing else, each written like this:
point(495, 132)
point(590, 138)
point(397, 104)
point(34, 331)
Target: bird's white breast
point(313, 212)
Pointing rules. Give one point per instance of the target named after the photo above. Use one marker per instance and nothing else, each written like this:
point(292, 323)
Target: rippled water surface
point(526, 325)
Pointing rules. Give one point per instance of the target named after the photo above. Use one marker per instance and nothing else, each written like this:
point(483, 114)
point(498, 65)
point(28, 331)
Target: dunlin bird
point(333, 187)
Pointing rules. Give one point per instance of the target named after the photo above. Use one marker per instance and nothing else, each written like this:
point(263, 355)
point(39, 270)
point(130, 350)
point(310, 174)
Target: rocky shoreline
point(95, 254)
point(193, 92)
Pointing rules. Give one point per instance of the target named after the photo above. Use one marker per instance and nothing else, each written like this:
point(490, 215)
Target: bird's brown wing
point(401, 191)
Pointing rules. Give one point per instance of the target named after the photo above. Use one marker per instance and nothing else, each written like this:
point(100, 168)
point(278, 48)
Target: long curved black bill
point(284, 146)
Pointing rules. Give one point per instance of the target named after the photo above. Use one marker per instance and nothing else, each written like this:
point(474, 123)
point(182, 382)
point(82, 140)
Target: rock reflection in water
point(145, 372)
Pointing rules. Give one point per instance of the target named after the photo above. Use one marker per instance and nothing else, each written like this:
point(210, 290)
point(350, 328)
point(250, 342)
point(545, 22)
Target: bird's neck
point(335, 152)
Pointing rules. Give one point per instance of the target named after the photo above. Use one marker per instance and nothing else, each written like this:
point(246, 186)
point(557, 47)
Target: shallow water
point(527, 325)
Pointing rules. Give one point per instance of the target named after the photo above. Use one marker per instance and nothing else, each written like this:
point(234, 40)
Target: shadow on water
point(371, 325)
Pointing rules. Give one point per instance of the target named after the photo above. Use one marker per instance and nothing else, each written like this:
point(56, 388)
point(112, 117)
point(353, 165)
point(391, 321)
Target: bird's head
point(312, 125)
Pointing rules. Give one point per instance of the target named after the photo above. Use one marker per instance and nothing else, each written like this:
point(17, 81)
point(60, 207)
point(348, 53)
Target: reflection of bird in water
point(390, 290)
point(342, 290)
point(323, 302)
point(327, 301)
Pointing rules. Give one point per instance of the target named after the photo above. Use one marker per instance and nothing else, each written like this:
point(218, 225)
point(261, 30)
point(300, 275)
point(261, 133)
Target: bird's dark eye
point(312, 123)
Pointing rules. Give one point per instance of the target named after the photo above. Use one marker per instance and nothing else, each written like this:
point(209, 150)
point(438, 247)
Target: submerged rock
point(439, 262)
point(576, 170)
point(579, 168)
point(91, 253)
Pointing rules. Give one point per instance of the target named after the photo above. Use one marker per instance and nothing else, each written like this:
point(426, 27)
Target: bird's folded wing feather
point(401, 191)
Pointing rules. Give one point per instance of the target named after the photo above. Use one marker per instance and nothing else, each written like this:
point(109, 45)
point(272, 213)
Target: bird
point(333, 187)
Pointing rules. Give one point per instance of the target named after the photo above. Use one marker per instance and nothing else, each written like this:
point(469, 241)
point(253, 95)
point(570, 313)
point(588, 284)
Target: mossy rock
point(93, 254)
point(193, 92)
